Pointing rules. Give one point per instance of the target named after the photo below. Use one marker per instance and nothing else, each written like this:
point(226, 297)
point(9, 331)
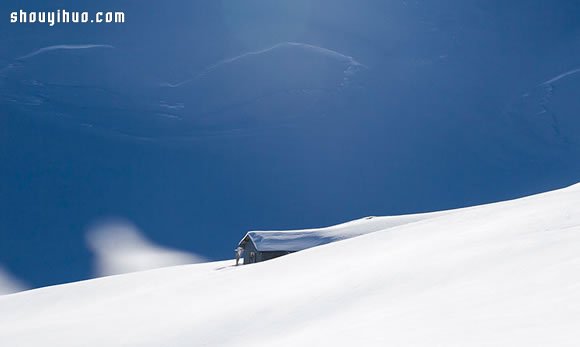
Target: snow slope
point(505, 274)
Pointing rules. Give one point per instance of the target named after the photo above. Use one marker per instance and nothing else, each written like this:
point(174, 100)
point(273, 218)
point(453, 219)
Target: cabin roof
point(290, 241)
point(297, 240)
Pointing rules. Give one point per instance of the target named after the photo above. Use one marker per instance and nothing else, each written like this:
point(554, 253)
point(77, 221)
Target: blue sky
point(285, 137)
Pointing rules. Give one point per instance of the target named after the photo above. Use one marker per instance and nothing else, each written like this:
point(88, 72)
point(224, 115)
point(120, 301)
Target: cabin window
point(252, 257)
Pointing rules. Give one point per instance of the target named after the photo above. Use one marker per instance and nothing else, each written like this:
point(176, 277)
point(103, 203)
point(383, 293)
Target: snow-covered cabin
point(258, 246)
point(265, 245)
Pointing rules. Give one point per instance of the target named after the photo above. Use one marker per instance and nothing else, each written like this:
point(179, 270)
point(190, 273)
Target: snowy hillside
point(506, 274)
point(191, 120)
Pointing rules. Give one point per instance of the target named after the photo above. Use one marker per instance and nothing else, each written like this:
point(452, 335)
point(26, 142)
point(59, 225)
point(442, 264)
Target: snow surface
point(505, 274)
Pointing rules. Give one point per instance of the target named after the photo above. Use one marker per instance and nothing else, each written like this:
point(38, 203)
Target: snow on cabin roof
point(297, 240)
point(286, 240)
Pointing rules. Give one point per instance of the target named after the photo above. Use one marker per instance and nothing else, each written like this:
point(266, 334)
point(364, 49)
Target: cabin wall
point(248, 248)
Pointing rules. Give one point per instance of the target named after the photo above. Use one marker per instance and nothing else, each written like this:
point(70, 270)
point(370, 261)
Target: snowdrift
point(505, 274)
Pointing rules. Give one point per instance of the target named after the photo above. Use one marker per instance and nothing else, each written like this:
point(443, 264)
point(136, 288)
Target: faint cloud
point(61, 47)
point(119, 247)
point(10, 284)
